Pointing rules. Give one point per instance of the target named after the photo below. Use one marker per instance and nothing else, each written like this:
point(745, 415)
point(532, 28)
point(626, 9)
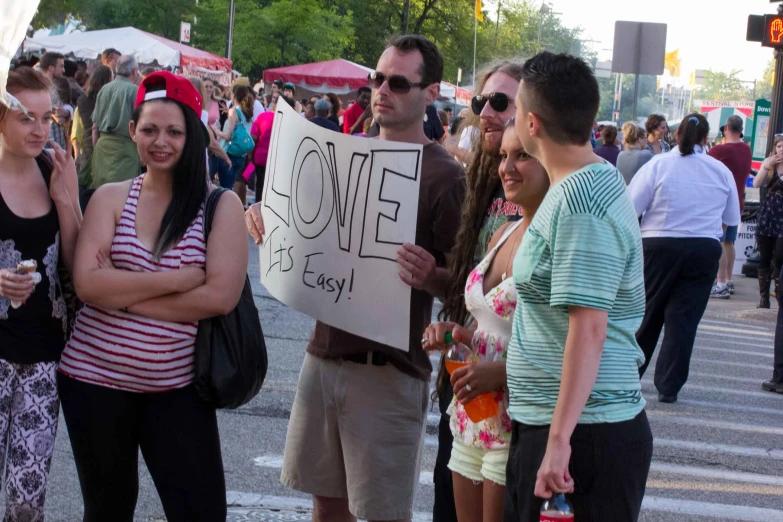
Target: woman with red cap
point(147, 276)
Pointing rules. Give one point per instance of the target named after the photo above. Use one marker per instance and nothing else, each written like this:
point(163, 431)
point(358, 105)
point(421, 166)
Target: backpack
point(241, 142)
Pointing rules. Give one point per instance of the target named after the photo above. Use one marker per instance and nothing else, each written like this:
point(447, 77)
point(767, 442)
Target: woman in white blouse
point(685, 199)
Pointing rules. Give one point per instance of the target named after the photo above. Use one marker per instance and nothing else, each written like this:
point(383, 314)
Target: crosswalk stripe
point(736, 352)
point(664, 416)
point(426, 477)
point(734, 364)
point(742, 331)
point(733, 324)
point(711, 510)
point(733, 407)
point(716, 389)
point(715, 473)
point(714, 447)
point(732, 378)
point(720, 337)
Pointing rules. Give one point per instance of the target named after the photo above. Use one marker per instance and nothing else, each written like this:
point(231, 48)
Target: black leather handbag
point(231, 359)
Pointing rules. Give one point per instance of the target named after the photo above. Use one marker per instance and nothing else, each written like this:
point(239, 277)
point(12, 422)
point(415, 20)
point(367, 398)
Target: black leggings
point(770, 248)
point(178, 437)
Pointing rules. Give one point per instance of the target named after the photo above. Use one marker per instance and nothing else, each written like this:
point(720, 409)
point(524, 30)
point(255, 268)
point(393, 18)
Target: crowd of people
point(558, 269)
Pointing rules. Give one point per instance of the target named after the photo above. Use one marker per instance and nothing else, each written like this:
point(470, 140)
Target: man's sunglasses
point(497, 100)
point(397, 84)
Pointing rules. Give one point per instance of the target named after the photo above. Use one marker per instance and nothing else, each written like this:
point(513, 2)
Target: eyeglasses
point(397, 84)
point(497, 100)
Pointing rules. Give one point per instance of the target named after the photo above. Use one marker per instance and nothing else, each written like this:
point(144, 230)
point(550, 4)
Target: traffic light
point(773, 31)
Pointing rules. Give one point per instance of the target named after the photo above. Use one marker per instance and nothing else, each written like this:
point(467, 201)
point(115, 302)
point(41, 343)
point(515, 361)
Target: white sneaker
point(720, 292)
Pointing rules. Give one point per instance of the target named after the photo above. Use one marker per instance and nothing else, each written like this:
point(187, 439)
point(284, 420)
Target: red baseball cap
point(177, 88)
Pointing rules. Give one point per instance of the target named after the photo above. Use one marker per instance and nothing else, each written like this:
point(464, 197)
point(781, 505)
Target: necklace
point(510, 257)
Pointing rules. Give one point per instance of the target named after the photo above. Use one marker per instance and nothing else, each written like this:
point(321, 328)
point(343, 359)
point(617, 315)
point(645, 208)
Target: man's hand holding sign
point(337, 225)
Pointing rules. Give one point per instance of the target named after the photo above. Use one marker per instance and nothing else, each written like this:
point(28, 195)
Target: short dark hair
point(561, 90)
point(362, 89)
point(653, 122)
point(609, 134)
point(50, 60)
point(692, 131)
point(70, 68)
point(432, 61)
point(107, 54)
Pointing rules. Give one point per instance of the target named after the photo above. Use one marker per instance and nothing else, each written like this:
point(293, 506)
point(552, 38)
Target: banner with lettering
point(336, 209)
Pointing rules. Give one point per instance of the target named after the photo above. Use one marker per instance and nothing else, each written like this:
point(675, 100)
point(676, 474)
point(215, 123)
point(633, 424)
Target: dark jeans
point(609, 465)
point(444, 509)
point(678, 276)
point(178, 437)
point(228, 175)
point(777, 365)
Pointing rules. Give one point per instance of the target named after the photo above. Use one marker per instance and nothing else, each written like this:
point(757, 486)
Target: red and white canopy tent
point(343, 77)
point(146, 47)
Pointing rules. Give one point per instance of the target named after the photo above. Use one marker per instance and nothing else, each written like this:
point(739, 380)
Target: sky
point(710, 34)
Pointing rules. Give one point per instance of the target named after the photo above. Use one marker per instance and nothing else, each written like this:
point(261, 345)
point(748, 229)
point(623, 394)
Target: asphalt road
point(718, 451)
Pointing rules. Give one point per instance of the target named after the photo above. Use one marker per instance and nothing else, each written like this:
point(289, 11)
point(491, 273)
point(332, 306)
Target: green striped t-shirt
point(583, 248)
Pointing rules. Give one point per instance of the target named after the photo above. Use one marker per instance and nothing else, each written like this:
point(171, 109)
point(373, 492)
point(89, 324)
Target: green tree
point(270, 34)
point(764, 85)
point(53, 12)
point(724, 86)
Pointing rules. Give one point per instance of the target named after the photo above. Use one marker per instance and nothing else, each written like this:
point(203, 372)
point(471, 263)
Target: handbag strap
point(209, 209)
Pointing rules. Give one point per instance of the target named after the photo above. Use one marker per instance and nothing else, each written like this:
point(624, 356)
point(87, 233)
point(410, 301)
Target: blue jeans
point(227, 175)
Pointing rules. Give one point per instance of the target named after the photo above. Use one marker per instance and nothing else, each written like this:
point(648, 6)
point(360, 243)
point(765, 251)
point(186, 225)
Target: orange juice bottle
point(482, 407)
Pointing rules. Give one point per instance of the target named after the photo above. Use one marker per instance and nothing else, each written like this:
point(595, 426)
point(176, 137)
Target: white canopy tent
point(146, 47)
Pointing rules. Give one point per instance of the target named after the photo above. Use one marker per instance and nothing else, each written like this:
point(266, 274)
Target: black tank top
point(34, 332)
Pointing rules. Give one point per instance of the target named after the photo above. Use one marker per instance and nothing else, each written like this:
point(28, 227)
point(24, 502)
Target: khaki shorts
point(356, 432)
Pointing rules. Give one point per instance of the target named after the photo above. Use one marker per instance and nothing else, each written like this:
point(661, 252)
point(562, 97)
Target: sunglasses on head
point(497, 100)
point(397, 84)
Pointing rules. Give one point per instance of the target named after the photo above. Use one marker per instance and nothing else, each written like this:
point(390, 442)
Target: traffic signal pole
point(771, 37)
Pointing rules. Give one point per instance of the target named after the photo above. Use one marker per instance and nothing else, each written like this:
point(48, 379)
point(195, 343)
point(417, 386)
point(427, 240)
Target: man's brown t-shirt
point(441, 191)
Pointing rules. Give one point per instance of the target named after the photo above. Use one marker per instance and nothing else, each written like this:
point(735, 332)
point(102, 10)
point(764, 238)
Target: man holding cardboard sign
point(358, 419)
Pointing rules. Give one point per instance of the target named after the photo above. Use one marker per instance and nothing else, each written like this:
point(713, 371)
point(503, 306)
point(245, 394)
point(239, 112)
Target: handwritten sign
point(336, 209)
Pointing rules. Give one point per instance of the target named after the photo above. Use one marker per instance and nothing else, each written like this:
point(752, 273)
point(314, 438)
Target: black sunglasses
point(497, 100)
point(397, 84)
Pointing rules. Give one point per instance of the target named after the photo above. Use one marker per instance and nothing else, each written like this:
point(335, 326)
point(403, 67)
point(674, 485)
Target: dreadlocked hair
point(483, 181)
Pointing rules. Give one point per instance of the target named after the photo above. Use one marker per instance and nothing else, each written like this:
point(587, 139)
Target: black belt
point(374, 358)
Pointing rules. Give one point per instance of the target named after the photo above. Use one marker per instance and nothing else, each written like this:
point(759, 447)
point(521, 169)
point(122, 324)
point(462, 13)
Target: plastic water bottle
point(482, 407)
point(557, 509)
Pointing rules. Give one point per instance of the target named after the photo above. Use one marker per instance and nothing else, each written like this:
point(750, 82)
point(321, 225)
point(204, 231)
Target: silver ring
point(467, 387)
point(424, 341)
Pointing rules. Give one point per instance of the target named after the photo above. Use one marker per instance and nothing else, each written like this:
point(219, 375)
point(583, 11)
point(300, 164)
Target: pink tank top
point(126, 351)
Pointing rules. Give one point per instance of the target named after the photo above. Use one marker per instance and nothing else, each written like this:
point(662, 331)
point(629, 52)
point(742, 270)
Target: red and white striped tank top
point(126, 351)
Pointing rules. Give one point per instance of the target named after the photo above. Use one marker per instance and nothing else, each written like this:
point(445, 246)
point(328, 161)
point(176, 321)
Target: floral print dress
point(493, 313)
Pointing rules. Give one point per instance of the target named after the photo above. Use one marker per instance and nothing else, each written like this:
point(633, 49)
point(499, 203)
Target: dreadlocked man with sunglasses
point(485, 210)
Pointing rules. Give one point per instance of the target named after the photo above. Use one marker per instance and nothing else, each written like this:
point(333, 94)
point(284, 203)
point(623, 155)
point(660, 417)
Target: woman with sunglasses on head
point(147, 275)
point(769, 233)
point(686, 200)
point(39, 224)
point(480, 450)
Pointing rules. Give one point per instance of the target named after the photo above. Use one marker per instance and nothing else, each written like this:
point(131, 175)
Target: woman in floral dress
point(480, 451)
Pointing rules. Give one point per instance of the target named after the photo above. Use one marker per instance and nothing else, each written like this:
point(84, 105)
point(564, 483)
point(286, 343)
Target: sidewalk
point(742, 305)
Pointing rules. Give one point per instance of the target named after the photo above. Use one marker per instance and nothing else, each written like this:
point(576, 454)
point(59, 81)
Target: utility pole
point(230, 35)
point(497, 25)
point(406, 16)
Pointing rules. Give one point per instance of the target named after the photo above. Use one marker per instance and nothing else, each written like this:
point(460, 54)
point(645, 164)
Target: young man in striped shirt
point(579, 424)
